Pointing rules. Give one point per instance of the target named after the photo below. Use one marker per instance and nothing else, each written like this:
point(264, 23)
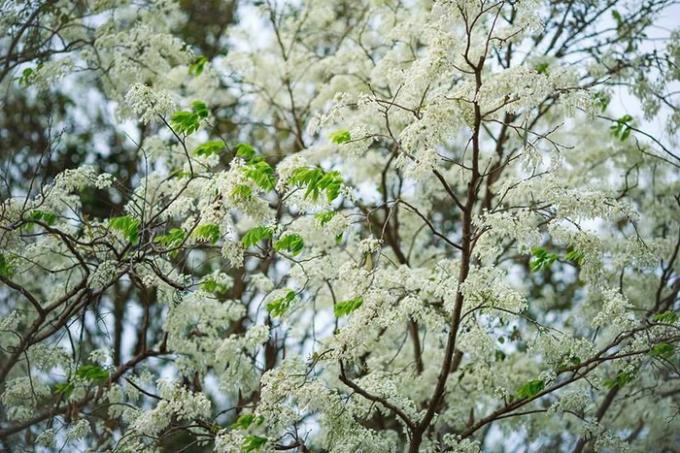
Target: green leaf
point(341, 136)
point(292, 243)
point(666, 317)
point(244, 421)
point(209, 148)
point(188, 122)
point(253, 443)
point(348, 306)
point(542, 68)
point(6, 268)
point(172, 239)
point(662, 351)
point(207, 233)
point(316, 180)
point(93, 373)
point(324, 217)
point(210, 285)
point(197, 66)
point(531, 388)
point(261, 173)
point(242, 192)
point(602, 100)
point(64, 388)
point(278, 307)
point(621, 379)
point(621, 128)
point(255, 235)
point(575, 256)
point(200, 109)
point(542, 259)
point(128, 226)
point(46, 217)
point(245, 151)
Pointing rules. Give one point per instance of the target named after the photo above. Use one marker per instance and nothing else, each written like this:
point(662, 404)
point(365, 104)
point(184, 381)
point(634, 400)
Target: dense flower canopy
point(339, 225)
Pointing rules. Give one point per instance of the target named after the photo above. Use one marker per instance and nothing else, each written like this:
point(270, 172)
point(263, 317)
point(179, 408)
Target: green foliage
point(278, 307)
point(41, 216)
point(172, 239)
point(253, 443)
point(187, 123)
point(128, 226)
point(317, 180)
point(621, 128)
point(212, 286)
point(246, 420)
point(28, 75)
point(207, 233)
point(662, 351)
point(92, 373)
point(245, 151)
point(242, 192)
point(261, 173)
point(341, 136)
point(531, 388)
point(542, 259)
point(666, 317)
point(602, 100)
point(542, 68)
point(292, 243)
point(575, 256)
point(347, 306)
point(64, 388)
point(621, 379)
point(255, 235)
point(324, 217)
point(6, 268)
point(197, 66)
point(209, 148)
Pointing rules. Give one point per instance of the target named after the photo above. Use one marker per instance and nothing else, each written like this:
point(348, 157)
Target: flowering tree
point(341, 226)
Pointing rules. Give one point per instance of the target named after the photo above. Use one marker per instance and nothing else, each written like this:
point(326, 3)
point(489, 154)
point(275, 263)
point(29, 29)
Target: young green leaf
point(542, 68)
point(317, 180)
point(253, 443)
point(348, 306)
point(662, 351)
point(92, 373)
point(46, 217)
point(575, 256)
point(542, 259)
point(245, 151)
point(64, 388)
point(324, 217)
point(210, 285)
point(242, 192)
point(128, 226)
point(621, 128)
point(621, 379)
point(255, 235)
point(209, 148)
point(197, 66)
point(262, 173)
point(244, 421)
point(172, 239)
point(666, 317)
point(187, 123)
point(531, 388)
point(278, 307)
point(293, 243)
point(341, 136)
point(207, 233)
point(6, 268)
